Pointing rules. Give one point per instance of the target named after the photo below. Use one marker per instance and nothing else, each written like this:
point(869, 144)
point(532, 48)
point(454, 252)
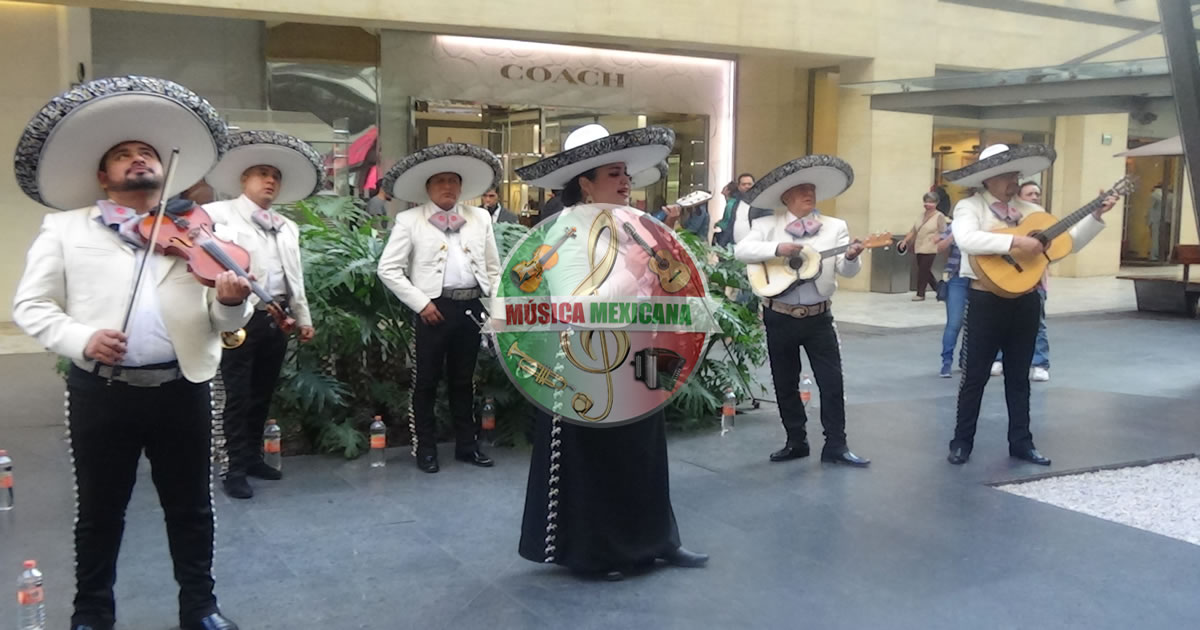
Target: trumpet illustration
point(543, 375)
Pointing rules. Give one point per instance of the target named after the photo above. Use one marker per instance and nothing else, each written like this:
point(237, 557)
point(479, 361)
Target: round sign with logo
point(601, 315)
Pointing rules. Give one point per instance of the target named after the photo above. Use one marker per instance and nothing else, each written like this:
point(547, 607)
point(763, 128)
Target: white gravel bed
point(1160, 498)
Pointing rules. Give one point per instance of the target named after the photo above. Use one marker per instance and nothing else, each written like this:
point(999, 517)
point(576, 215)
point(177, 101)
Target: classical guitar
point(527, 275)
point(673, 275)
point(775, 276)
point(1015, 274)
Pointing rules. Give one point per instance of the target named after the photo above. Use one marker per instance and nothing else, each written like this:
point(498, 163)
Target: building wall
point(772, 119)
point(220, 59)
point(46, 44)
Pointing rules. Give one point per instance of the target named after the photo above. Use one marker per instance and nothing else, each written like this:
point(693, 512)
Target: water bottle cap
point(3, 452)
point(271, 421)
point(379, 418)
point(30, 564)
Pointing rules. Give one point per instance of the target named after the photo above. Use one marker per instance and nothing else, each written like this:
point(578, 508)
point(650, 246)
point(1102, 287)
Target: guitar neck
point(638, 238)
point(835, 251)
point(1075, 217)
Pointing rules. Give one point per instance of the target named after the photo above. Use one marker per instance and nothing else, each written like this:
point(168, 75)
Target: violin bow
point(158, 215)
point(137, 281)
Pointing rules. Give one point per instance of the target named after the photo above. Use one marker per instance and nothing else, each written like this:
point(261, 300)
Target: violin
point(185, 231)
point(527, 275)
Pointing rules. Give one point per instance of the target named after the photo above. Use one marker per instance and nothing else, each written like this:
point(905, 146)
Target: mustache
point(147, 181)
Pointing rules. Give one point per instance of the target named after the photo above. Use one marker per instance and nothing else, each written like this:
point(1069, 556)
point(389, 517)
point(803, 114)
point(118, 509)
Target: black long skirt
point(613, 509)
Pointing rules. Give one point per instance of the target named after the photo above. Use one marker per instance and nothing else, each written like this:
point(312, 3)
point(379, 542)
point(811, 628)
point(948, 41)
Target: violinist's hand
point(673, 210)
point(106, 346)
point(231, 289)
point(307, 333)
point(431, 315)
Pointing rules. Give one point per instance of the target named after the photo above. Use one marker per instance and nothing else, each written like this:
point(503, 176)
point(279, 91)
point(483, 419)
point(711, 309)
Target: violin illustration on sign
point(527, 275)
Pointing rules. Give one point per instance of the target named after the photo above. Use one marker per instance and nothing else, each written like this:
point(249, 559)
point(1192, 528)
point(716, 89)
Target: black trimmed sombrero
point(998, 159)
point(59, 153)
point(649, 177)
point(639, 149)
point(830, 174)
point(299, 163)
point(479, 169)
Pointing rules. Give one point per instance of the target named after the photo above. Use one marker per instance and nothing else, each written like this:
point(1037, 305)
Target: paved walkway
point(911, 542)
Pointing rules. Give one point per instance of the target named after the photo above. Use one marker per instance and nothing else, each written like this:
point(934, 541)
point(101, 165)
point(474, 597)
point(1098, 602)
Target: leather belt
point(462, 295)
point(799, 311)
point(147, 376)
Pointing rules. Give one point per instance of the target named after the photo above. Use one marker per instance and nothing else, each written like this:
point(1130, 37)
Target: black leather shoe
point(958, 456)
point(84, 626)
point(261, 470)
point(845, 457)
point(791, 451)
point(215, 621)
point(428, 463)
point(477, 458)
point(1031, 455)
point(614, 576)
point(236, 487)
point(680, 557)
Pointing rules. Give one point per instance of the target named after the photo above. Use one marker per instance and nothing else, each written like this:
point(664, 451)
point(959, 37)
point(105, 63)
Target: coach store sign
point(565, 76)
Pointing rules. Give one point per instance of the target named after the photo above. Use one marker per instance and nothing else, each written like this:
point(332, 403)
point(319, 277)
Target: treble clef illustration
point(581, 402)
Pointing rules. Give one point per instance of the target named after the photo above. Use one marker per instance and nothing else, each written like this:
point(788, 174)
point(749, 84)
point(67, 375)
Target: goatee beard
point(137, 184)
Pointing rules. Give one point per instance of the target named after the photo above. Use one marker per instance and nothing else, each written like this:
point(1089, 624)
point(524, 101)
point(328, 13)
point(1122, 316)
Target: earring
point(587, 199)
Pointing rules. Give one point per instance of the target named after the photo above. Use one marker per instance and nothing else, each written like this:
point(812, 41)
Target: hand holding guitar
point(1108, 204)
point(856, 248)
point(788, 250)
point(1026, 245)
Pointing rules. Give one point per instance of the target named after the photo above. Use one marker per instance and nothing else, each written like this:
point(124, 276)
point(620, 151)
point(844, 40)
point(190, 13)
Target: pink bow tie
point(267, 220)
point(800, 228)
point(447, 221)
point(1005, 213)
point(123, 221)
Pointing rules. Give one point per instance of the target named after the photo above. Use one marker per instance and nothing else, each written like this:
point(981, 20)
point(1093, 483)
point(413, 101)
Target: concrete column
point(1084, 167)
point(42, 46)
point(772, 114)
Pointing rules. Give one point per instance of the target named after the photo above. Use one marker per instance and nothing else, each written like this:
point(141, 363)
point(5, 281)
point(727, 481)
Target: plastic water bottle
point(31, 599)
point(806, 387)
point(728, 411)
point(378, 443)
point(487, 419)
point(272, 447)
point(6, 481)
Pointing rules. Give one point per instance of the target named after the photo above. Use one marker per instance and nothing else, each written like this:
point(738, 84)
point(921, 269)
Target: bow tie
point(123, 221)
point(447, 221)
point(268, 220)
point(1005, 213)
point(808, 226)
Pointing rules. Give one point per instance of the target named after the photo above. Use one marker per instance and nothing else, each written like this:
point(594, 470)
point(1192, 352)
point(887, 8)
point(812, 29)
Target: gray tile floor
point(909, 543)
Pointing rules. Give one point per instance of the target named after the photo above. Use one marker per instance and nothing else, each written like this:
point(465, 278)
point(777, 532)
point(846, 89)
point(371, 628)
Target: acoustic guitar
point(527, 275)
point(1015, 274)
point(777, 275)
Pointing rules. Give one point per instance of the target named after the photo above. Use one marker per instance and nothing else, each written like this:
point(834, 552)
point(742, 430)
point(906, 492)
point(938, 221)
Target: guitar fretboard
point(1070, 220)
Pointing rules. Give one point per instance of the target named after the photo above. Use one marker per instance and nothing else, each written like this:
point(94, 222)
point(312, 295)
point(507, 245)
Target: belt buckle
point(802, 310)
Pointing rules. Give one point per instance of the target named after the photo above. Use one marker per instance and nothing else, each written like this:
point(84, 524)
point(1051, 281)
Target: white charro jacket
point(413, 264)
point(77, 279)
point(233, 223)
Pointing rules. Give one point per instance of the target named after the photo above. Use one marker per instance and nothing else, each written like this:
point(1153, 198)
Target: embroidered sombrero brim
point(1025, 159)
point(649, 177)
point(829, 174)
point(299, 164)
point(59, 153)
point(479, 169)
point(638, 149)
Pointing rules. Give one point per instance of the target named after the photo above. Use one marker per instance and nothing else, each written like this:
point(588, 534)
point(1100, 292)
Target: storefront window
point(523, 134)
point(1152, 210)
point(957, 146)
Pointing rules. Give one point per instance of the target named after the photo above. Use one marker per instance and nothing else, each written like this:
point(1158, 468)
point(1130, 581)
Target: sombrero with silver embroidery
point(998, 159)
point(649, 177)
point(830, 175)
point(638, 149)
point(299, 164)
point(59, 153)
point(479, 169)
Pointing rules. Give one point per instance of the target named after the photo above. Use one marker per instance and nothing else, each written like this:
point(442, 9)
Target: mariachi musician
point(802, 315)
point(441, 261)
point(140, 384)
point(261, 168)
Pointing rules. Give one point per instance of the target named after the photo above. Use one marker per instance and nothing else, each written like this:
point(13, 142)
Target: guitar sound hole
point(795, 263)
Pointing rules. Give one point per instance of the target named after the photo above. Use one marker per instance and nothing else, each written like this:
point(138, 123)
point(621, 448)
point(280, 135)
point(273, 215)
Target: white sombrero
point(638, 149)
point(998, 159)
point(479, 169)
point(649, 177)
point(59, 153)
point(299, 164)
point(829, 174)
